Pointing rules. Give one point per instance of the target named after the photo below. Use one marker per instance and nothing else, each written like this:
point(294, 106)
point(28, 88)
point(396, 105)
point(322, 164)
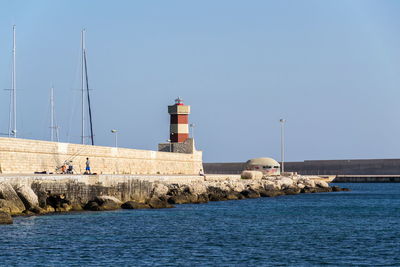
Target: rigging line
point(88, 98)
point(72, 97)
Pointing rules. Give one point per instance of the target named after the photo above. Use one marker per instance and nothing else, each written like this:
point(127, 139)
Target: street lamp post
point(170, 145)
point(116, 136)
point(282, 121)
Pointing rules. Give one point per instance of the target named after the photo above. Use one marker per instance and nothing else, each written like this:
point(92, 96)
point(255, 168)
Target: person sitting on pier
point(70, 169)
point(63, 168)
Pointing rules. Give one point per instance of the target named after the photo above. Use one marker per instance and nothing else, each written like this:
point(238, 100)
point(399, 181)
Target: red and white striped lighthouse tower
point(179, 129)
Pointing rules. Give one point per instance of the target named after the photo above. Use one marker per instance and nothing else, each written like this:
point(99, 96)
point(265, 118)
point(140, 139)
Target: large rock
point(103, 203)
point(42, 198)
point(5, 218)
point(202, 198)
point(10, 207)
point(92, 205)
point(251, 175)
point(76, 207)
point(308, 183)
point(9, 200)
point(173, 190)
point(232, 195)
point(38, 210)
point(236, 186)
point(286, 182)
point(59, 202)
point(249, 193)
point(159, 190)
point(255, 185)
point(270, 186)
point(271, 193)
point(321, 184)
point(28, 197)
point(197, 188)
point(300, 186)
point(132, 205)
point(103, 200)
point(308, 190)
point(183, 198)
point(181, 194)
point(292, 191)
point(323, 189)
point(338, 189)
point(215, 193)
point(159, 203)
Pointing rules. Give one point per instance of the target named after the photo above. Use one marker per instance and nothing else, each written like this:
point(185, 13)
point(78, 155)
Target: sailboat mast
point(14, 83)
point(52, 113)
point(12, 127)
point(53, 126)
point(89, 105)
point(83, 84)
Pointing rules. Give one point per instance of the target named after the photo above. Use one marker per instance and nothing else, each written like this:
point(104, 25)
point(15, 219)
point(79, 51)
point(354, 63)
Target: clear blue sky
point(331, 68)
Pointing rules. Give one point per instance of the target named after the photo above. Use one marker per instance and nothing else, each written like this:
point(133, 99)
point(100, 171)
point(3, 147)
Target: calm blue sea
point(360, 228)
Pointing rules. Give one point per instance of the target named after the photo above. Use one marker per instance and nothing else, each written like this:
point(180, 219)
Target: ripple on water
point(360, 227)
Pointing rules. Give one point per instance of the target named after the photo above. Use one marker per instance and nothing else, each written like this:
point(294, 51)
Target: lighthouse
point(179, 128)
point(179, 140)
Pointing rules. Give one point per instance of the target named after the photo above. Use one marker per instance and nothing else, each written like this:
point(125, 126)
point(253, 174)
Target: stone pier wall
point(80, 189)
point(29, 156)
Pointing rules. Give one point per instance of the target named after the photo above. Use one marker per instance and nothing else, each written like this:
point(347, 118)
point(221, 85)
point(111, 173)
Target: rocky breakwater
point(41, 196)
point(250, 185)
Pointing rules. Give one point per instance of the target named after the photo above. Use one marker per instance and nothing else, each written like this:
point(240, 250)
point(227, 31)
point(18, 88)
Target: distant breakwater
point(354, 167)
point(42, 194)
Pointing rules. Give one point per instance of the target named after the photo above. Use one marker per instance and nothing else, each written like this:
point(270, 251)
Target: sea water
point(361, 227)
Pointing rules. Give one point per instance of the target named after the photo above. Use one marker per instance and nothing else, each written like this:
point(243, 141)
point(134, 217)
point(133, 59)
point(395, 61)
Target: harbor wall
point(29, 156)
point(224, 168)
point(366, 179)
point(320, 167)
point(346, 167)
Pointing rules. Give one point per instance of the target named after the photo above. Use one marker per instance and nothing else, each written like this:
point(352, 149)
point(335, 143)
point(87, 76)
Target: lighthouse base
point(187, 147)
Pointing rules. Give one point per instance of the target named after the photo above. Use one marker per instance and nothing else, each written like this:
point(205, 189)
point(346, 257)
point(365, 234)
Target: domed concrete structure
point(267, 166)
